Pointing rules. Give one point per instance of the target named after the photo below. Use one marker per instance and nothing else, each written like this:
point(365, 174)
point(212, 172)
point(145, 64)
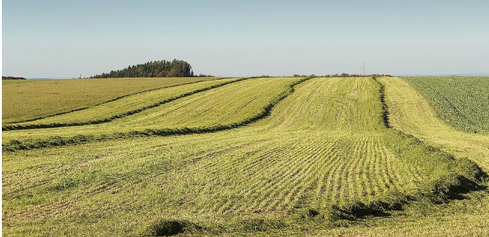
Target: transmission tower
point(363, 69)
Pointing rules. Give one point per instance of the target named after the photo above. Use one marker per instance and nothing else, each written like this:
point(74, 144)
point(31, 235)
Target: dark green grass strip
point(29, 144)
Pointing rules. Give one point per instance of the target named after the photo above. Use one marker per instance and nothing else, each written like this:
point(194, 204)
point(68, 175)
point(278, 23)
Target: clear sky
point(66, 38)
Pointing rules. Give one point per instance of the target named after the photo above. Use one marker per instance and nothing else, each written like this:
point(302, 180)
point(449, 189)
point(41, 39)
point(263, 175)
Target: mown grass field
point(122, 107)
point(260, 156)
point(31, 99)
point(229, 105)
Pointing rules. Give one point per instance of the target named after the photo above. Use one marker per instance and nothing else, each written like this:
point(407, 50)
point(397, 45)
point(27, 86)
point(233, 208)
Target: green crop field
point(251, 156)
point(461, 101)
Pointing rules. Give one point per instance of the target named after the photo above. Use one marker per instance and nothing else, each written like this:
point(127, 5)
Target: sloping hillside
point(256, 156)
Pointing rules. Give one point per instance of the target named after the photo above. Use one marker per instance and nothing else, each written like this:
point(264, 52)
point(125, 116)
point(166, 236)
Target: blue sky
point(59, 38)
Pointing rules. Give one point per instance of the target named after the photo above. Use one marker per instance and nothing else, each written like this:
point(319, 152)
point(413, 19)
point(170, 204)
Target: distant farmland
point(246, 156)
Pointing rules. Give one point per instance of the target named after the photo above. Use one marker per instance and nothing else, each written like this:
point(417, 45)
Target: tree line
point(162, 68)
point(12, 78)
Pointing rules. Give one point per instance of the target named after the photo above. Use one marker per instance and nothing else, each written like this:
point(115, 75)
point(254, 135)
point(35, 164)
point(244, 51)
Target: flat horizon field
point(318, 156)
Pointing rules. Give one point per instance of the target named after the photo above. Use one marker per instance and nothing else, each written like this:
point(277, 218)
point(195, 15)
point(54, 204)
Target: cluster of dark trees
point(12, 78)
point(163, 68)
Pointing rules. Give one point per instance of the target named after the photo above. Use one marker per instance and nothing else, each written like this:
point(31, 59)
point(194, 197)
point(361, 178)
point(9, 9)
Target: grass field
point(315, 156)
point(31, 99)
point(229, 105)
point(461, 101)
point(412, 113)
point(123, 107)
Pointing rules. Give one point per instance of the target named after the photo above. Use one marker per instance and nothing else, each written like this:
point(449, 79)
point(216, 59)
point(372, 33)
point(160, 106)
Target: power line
point(363, 69)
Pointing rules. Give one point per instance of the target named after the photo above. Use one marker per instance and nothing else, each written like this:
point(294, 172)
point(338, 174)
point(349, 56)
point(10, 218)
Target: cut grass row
point(229, 106)
point(34, 99)
point(121, 107)
point(348, 105)
point(322, 155)
point(412, 113)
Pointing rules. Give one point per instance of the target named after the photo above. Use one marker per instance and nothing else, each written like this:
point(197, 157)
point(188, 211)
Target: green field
point(461, 101)
point(228, 106)
point(32, 99)
point(412, 113)
point(122, 107)
point(256, 156)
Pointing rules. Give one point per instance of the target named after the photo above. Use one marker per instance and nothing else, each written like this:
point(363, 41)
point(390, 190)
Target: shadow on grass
point(171, 227)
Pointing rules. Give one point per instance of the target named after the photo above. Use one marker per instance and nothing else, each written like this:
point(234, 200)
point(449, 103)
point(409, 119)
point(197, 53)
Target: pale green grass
point(323, 145)
point(226, 105)
point(411, 112)
point(30, 99)
point(126, 105)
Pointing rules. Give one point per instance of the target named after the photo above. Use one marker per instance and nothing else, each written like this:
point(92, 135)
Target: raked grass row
point(227, 106)
point(34, 99)
point(120, 108)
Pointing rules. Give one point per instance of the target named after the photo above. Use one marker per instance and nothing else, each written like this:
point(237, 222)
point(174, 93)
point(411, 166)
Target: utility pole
point(363, 69)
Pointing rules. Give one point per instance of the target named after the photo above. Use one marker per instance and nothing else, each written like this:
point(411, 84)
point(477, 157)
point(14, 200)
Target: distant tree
point(163, 68)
